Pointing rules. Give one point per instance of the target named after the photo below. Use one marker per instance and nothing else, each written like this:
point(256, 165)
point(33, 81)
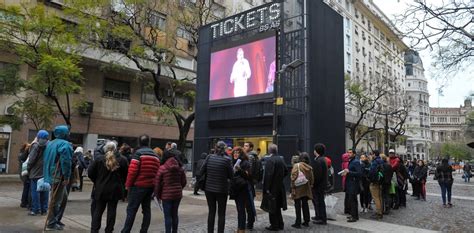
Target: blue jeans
point(446, 188)
point(170, 209)
point(39, 200)
point(138, 196)
point(467, 177)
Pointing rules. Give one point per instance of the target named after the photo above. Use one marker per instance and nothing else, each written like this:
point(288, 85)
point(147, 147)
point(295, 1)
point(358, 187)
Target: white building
point(418, 122)
point(374, 54)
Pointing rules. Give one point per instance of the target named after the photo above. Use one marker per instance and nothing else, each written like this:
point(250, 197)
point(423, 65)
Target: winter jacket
point(344, 165)
point(420, 173)
point(306, 189)
point(58, 149)
point(108, 185)
point(218, 170)
point(170, 180)
point(444, 174)
point(394, 162)
point(143, 169)
point(240, 175)
point(364, 179)
point(387, 174)
point(199, 164)
point(35, 161)
point(320, 173)
point(467, 168)
point(275, 173)
point(353, 177)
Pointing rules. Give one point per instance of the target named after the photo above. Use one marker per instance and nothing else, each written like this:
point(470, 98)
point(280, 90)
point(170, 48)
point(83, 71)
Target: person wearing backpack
point(387, 183)
point(376, 180)
point(39, 200)
point(256, 174)
point(302, 180)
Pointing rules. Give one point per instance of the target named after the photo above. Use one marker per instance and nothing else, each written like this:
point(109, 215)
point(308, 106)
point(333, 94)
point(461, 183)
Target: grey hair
point(273, 149)
point(174, 146)
point(110, 146)
point(220, 147)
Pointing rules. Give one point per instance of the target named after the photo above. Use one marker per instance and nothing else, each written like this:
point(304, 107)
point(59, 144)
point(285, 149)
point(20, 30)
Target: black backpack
point(256, 169)
point(377, 176)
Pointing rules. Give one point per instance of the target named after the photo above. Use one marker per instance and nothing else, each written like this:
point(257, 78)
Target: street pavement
point(419, 216)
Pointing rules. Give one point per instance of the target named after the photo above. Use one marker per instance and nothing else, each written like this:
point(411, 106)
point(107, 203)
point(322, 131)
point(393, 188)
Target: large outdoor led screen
point(244, 70)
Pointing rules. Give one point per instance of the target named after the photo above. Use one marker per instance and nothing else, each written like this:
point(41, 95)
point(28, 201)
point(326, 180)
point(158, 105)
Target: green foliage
point(459, 151)
point(9, 80)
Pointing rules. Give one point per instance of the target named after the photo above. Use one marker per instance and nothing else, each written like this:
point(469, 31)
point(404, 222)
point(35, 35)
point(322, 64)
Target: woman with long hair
point(109, 173)
point(444, 175)
point(240, 184)
point(365, 197)
point(420, 175)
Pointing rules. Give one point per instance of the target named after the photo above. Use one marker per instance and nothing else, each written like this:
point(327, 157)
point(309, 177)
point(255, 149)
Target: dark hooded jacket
point(170, 179)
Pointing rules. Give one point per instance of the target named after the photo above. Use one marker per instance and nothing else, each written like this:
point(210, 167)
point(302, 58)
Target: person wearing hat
point(39, 200)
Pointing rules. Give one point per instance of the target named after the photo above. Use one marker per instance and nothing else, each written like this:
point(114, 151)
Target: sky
point(455, 90)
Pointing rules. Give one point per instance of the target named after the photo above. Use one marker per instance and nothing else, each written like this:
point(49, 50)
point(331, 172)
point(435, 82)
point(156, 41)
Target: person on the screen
point(240, 74)
point(271, 77)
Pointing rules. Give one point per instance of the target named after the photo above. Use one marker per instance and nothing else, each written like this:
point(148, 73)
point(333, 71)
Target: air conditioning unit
point(9, 110)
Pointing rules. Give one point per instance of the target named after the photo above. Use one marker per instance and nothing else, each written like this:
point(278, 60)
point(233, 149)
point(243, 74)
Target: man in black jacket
point(320, 172)
point(275, 172)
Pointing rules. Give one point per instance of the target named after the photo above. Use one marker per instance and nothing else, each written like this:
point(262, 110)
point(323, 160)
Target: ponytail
point(110, 161)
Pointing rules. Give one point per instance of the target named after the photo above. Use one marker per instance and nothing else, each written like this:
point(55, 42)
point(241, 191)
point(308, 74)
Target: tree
point(456, 150)
point(445, 27)
point(365, 101)
point(44, 42)
point(130, 29)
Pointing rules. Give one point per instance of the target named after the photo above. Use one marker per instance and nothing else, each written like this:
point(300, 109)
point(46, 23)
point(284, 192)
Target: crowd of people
point(54, 168)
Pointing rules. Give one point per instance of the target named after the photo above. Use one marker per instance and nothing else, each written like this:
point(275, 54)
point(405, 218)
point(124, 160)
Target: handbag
point(301, 179)
point(202, 180)
point(331, 202)
point(268, 203)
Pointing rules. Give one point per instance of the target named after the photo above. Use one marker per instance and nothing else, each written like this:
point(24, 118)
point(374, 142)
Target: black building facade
point(312, 106)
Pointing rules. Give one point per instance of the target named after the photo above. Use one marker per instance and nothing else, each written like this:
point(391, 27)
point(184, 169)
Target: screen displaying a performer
point(244, 70)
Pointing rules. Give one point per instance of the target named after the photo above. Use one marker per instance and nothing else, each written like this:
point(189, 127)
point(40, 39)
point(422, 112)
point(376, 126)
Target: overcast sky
point(456, 89)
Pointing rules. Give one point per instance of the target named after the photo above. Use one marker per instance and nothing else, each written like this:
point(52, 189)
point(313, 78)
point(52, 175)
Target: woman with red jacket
point(169, 183)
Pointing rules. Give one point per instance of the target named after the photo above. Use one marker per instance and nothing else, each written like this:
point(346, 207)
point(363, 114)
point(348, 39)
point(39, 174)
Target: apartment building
point(418, 122)
point(121, 107)
point(374, 56)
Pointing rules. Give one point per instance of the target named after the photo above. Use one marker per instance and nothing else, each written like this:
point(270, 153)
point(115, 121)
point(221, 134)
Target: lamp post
point(277, 99)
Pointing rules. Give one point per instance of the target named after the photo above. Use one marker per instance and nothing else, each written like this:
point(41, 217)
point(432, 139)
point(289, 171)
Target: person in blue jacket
point(353, 174)
point(57, 172)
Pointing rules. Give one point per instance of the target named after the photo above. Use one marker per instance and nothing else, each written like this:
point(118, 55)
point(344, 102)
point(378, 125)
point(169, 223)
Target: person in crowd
point(39, 200)
point(126, 151)
point(79, 154)
point(168, 146)
point(180, 156)
point(199, 164)
point(344, 165)
point(108, 173)
point(394, 161)
point(386, 185)
point(420, 175)
point(275, 172)
point(256, 172)
point(467, 172)
point(303, 192)
point(352, 189)
point(57, 172)
point(25, 195)
point(402, 180)
point(320, 172)
point(140, 183)
point(169, 183)
point(240, 185)
point(376, 181)
point(365, 197)
point(411, 171)
point(444, 175)
point(331, 177)
point(218, 172)
point(159, 152)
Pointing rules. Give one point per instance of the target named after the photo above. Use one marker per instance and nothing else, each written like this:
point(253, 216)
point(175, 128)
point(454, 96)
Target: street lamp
point(277, 99)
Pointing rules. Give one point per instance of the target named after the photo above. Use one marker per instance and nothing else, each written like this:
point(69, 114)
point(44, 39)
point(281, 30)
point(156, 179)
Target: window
point(148, 95)
point(183, 102)
point(158, 20)
point(348, 41)
point(181, 32)
point(363, 35)
point(356, 13)
point(357, 46)
point(356, 30)
point(117, 89)
point(186, 63)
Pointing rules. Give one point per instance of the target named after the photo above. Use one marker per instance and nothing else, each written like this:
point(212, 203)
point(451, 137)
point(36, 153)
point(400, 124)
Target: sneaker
point(54, 227)
point(61, 224)
point(32, 213)
point(450, 205)
point(363, 210)
point(305, 224)
point(297, 226)
point(376, 217)
point(351, 220)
